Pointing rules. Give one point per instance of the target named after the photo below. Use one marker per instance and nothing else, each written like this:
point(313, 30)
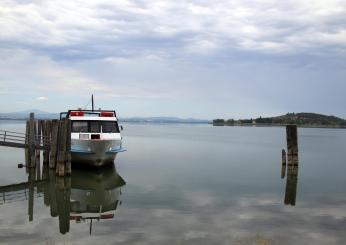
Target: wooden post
point(38, 134)
point(292, 139)
point(47, 140)
point(60, 169)
point(68, 148)
point(27, 150)
point(44, 141)
point(53, 143)
point(32, 139)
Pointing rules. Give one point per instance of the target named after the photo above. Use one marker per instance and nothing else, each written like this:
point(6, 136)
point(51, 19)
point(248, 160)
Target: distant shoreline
point(278, 125)
point(121, 121)
point(200, 123)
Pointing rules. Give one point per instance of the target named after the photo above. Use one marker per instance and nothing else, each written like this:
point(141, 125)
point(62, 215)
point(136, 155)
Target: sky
point(200, 59)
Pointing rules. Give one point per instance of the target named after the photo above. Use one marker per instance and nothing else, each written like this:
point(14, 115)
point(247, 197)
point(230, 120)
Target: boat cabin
point(94, 121)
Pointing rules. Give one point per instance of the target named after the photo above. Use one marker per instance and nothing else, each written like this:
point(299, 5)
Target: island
point(302, 119)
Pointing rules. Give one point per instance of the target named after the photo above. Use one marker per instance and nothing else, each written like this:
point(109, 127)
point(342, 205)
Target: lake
point(184, 184)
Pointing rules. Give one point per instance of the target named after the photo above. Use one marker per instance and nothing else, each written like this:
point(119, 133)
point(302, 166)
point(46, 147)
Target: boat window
point(110, 127)
point(79, 126)
point(86, 127)
point(94, 127)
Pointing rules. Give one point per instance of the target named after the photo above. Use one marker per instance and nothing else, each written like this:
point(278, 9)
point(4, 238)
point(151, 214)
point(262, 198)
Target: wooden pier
point(53, 137)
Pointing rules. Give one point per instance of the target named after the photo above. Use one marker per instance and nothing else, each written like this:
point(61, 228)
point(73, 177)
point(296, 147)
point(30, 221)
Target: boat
point(95, 136)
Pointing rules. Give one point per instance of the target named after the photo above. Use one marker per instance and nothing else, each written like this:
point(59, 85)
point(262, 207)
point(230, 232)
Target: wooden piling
point(60, 169)
point(68, 148)
point(45, 153)
point(38, 127)
point(27, 151)
point(292, 139)
point(53, 143)
point(32, 139)
point(47, 140)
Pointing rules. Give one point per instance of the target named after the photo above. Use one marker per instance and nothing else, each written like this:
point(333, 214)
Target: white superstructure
point(95, 136)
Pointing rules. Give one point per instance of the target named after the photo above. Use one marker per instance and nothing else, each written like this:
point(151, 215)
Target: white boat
point(95, 136)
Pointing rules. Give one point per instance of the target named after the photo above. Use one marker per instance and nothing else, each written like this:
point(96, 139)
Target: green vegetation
point(301, 119)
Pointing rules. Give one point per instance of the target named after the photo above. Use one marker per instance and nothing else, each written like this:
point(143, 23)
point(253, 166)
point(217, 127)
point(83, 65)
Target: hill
point(306, 119)
point(301, 119)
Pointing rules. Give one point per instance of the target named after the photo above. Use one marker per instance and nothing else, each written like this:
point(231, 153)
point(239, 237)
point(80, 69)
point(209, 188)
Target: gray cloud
point(102, 28)
point(183, 58)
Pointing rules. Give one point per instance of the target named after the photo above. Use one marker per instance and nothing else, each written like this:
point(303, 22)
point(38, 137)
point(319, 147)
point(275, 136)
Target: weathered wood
point(60, 170)
point(53, 143)
point(52, 136)
point(48, 139)
point(292, 139)
point(68, 148)
point(45, 153)
point(32, 139)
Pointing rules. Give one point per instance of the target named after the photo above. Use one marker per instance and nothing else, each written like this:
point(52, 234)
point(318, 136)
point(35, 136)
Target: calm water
point(185, 184)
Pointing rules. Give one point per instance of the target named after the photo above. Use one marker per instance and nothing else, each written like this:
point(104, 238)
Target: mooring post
point(32, 139)
point(44, 140)
point(60, 169)
point(68, 148)
point(292, 139)
point(53, 143)
point(47, 140)
point(27, 150)
point(38, 139)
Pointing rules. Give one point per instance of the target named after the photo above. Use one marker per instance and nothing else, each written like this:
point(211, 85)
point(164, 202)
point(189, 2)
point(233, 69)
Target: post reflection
point(291, 180)
point(291, 171)
point(85, 196)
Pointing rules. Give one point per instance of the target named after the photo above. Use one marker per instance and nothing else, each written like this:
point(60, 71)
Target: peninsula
point(302, 119)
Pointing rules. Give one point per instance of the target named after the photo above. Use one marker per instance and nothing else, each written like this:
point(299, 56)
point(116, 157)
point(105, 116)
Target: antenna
point(92, 102)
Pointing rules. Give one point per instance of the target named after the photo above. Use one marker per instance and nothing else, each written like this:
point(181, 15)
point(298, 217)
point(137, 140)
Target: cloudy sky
point(197, 58)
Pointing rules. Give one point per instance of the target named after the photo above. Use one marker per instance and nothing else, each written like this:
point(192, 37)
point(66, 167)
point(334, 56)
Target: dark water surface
point(185, 184)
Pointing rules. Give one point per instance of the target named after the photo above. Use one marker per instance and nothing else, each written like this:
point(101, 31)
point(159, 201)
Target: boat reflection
point(86, 195)
point(95, 195)
point(91, 194)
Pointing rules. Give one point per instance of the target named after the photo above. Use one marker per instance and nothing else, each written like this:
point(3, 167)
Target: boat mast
point(92, 102)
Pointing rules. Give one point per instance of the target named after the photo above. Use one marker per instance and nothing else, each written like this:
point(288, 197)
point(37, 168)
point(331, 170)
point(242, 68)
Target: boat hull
point(95, 152)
